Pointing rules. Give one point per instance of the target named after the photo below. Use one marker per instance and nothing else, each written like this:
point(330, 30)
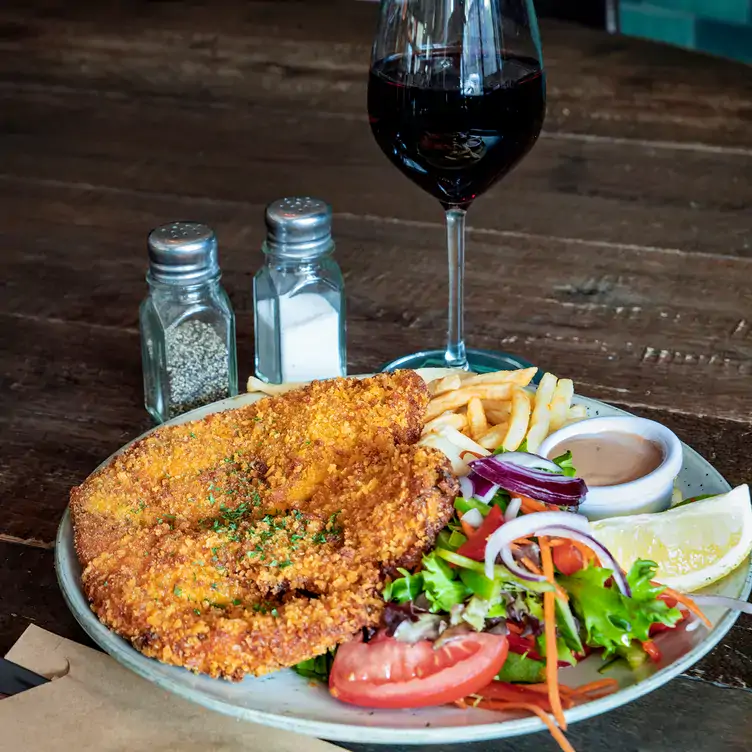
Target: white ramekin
point(651, 493)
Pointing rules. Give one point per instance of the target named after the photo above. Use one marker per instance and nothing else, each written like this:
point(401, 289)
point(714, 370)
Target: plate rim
point(347, 732)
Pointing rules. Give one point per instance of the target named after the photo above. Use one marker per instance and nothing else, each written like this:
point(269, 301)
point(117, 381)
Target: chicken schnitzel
point(261, 536)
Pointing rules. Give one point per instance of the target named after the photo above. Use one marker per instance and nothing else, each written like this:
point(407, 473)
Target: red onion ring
point(604, 555)
point(513, 509)
point(473, 517)
point(531, 461)
point(526, 481)
point(467, 487)
point(521, 527)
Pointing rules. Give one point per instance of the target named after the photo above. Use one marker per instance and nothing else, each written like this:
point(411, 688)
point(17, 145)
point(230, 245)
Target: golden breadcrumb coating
point(261, 536)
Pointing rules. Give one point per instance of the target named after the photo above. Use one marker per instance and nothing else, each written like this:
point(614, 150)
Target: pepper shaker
point(299, 296)
point(187, 323)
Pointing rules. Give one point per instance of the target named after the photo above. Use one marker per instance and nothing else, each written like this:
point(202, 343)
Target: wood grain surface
point(619, 253)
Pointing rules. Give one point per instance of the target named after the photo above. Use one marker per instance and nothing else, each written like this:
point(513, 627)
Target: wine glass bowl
point(456, 98)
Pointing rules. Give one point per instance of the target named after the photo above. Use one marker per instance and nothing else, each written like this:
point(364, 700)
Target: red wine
point(453, 144)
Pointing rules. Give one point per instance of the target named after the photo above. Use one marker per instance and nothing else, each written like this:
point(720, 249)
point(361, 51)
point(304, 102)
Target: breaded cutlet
point(260, 537)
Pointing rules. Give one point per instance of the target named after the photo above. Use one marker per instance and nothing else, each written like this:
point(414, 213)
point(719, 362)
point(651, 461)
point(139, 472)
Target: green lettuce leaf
point(317, 668)
point(522, 669)
point(611, 620)
point(404, 589)
point(564, 461)
point(441, 584)
point(521, 448)
point(644, 607)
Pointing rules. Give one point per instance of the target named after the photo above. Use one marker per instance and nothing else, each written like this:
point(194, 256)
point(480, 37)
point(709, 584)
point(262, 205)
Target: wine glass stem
point(455, 356)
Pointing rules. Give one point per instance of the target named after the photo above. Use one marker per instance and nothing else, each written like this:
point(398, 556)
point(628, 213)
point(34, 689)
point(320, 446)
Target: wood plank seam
point(207, 200)
point(534, 236)
point(232, 104)
point(30, 542)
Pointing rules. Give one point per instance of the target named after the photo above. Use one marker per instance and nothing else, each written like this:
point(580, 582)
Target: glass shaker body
point(187, 348)
point(299, 318)
point(187, 323)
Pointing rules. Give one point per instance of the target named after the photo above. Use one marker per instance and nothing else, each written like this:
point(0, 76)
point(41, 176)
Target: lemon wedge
point(694, 545)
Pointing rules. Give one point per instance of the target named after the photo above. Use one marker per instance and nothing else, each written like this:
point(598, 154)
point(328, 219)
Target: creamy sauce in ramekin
point(611, 458)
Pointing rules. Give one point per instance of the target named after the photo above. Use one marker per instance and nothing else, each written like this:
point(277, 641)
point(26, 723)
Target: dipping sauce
point(611, 457)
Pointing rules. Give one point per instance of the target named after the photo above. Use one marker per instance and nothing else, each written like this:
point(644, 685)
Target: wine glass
point(456, 98)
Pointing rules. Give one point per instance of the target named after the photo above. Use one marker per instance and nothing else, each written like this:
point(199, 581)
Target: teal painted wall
point(719, 27)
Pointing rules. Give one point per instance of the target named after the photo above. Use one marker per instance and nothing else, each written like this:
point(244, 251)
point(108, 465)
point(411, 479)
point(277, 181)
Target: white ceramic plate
point(288, 701)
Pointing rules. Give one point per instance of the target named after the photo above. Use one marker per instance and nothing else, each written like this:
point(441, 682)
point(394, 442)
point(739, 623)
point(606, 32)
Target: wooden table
point(619, 253)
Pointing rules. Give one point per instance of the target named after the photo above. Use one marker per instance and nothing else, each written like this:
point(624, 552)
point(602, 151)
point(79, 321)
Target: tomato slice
point(653, 651)
point(393, 674)
point(523, 646)
point(567, 558)
point(526, 646)
point(475, 546)
point(657, 628)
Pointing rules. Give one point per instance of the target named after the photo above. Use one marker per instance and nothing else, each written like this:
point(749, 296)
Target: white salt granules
point(308, 337)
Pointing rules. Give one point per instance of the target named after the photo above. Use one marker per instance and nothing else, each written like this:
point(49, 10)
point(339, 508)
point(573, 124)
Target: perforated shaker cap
point(298, 227)
point(183, 253)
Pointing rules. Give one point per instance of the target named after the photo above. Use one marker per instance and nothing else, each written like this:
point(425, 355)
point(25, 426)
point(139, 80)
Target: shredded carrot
point(543, 688)
point(474, 455)
point(689, 603)
point(555, 732)
point(588, 555)
point(515, 628)
point(535, 569)
point(549, 619)
point(522, 541)
point(531, 505)
point(594, 690)
point(467, 528)
point(499, 690)
point(530, 565)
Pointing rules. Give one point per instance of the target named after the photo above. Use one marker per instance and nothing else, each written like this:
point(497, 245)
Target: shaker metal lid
point(183, 253)
point(298, 227)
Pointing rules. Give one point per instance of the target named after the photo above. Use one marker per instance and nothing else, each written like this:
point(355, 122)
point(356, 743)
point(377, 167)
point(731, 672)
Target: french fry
point(464, 443)
point(576, 412)
point(496, 405)
point(493, 438)
point(497, 417)
point(476, 418)
point(256, 385)
point(518, 420)
point(455, 420)
point(454, 454)
point(460, 397)
point(541, 416)
point(446, 384)
point(560, 403)
point(497, 412)
point(521, 377)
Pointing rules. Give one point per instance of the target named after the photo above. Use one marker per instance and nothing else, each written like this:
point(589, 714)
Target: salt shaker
point(299, 296)
point(187, 323)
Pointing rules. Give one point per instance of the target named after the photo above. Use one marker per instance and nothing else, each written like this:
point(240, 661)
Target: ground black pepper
point(197, 366)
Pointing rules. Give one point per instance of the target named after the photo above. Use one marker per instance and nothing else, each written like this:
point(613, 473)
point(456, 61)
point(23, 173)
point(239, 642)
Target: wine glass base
point(479, 361)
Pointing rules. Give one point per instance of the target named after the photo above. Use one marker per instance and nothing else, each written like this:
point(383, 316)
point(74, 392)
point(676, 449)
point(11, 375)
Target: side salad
point(515, 589)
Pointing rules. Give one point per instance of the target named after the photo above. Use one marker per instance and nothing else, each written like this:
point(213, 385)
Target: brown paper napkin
point(96, 705)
